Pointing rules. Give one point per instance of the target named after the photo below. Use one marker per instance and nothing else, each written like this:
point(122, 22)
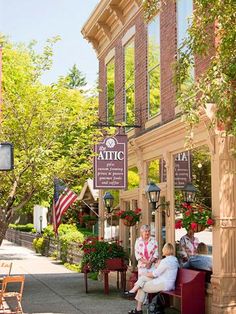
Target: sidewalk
point(50, 288)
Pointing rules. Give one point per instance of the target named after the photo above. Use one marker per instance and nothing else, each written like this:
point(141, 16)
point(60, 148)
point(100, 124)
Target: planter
point(129, 223)
point(115, 263)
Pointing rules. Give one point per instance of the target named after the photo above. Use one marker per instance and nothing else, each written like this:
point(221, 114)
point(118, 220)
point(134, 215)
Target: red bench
point(190, 289)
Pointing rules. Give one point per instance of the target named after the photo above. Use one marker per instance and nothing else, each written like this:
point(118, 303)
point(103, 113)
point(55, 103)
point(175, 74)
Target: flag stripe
point(63, 198)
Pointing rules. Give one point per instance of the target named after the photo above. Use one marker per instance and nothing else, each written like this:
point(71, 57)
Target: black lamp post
point(108, 201)
point(153, 193)
point(189, 193)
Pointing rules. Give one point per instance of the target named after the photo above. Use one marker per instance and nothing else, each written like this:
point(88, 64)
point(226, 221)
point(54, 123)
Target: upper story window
point(129, 84)
point(154, 67)
point(111, 92)
point(184, 13)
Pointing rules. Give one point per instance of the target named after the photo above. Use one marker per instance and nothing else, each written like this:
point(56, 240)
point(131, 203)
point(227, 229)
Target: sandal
point(135, 311)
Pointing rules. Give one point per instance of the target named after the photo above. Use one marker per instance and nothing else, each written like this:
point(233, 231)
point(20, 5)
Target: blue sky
point(26, 20)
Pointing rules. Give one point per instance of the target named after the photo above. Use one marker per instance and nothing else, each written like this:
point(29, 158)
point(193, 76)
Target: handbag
point(157, 306)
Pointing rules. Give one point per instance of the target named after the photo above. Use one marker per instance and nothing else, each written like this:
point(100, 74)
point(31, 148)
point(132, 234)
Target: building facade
point(136, 87)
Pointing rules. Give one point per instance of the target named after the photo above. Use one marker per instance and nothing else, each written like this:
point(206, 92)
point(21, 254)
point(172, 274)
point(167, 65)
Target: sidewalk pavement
point(50, 288)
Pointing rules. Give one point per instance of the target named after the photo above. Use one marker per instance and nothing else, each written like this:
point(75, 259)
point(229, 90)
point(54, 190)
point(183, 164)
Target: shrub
point(26, 228)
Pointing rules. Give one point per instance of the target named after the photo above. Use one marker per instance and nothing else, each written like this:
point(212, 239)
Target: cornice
point(107, 21)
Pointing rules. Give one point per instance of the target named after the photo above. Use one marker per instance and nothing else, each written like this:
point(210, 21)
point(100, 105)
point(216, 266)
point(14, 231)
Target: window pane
point(184, 12)
point(153, 67)
point(154, 91)
point(111, 92)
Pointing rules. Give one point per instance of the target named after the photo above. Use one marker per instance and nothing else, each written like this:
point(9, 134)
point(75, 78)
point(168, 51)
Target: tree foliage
point(75, 79)
point(213, 24)
point(51, 128)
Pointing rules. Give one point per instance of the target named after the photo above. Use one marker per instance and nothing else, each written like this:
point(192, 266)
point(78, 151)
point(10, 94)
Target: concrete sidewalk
point(51, 288)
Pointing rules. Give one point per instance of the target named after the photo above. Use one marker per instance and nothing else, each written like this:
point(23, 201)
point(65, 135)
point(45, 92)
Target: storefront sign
point(183, 169)
point(110, 163)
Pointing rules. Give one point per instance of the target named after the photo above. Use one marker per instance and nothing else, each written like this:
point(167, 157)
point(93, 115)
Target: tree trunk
point(3, 230)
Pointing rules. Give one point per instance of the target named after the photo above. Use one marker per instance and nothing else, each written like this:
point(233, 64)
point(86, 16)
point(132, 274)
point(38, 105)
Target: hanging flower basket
point(129, 223)
point(129, 217)
point(194, 216)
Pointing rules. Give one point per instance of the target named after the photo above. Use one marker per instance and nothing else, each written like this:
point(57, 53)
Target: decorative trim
point(128, 35)
point(110, 56)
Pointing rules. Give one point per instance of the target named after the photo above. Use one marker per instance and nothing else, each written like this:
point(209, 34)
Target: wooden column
point(224, 231)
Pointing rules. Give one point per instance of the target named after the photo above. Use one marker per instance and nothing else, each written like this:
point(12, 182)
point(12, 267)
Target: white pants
point(147, 286)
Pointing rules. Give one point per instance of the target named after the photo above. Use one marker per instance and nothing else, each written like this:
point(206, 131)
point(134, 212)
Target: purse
point(157, 306)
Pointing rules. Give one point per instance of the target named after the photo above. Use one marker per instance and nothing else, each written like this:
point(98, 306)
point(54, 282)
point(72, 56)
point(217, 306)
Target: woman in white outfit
point(162, 278)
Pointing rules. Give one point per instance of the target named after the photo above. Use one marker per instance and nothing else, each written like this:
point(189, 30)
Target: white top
point(152, 252)
point(166, 272)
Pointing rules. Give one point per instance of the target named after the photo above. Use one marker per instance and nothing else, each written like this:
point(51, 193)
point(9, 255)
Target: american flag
point(63, 198)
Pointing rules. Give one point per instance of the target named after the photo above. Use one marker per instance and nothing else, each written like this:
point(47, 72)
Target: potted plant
point(195, 217)
point(130, 217)
point(97, 254)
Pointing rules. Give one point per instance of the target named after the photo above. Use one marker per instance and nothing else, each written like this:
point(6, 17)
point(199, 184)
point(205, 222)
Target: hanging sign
point(110, 163)
point(183, 169)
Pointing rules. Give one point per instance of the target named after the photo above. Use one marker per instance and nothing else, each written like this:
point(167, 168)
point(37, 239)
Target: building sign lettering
point(110, 163)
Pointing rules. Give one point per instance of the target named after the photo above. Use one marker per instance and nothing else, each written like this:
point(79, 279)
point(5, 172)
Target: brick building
point(137, 87)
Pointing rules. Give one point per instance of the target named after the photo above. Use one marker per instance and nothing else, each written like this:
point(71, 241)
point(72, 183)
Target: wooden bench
point(190, 289)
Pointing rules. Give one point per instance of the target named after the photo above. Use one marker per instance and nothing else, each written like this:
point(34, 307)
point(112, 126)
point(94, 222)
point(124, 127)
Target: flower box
point(115, 263)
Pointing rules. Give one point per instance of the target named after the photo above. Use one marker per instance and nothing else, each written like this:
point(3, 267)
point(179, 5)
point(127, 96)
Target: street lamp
point(153, 193)
point(108, 201)
point(189, 193)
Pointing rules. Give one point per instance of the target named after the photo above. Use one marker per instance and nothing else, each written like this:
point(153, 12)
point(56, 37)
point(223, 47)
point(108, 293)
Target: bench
point(190, 289)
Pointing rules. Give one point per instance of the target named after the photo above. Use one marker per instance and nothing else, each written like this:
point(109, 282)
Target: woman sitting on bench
point(160, 279)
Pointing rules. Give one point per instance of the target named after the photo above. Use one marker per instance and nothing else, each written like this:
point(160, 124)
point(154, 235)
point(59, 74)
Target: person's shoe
point(128, 294)
point(135, 311)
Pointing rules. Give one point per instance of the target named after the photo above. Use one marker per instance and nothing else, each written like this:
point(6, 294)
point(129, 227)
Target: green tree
point(51, 128)
point(75, 79)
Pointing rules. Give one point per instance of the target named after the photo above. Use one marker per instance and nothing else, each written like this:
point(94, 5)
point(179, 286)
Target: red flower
point(178, 224)
point(188, 212)
point(210, 221)
point(193, 226)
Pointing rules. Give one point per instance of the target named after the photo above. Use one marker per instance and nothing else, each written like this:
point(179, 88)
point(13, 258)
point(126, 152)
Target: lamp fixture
point(108, 201)
point(189, 193)
point(153, 194)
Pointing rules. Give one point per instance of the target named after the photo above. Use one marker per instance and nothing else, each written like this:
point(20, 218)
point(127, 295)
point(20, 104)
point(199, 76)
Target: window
point(129, 84)
point(111, 92)
point(154, 67)
point(184, 12)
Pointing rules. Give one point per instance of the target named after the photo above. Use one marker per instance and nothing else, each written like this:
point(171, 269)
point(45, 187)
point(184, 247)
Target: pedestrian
point(201, 260)
point(187, 246)
point(146, 250)
point(162, 278)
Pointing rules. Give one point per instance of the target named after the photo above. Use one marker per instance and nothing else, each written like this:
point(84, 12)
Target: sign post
point(110, 163)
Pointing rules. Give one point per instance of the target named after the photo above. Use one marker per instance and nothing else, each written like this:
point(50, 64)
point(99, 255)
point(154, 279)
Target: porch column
point(224, 231)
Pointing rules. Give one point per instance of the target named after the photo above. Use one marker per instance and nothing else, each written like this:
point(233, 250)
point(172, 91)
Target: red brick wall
point(141, 73)
point(168, 53)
